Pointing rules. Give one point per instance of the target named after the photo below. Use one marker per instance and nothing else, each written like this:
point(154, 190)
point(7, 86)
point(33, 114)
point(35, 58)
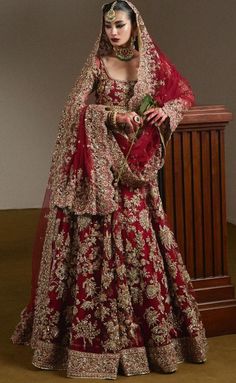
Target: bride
point(110, 291)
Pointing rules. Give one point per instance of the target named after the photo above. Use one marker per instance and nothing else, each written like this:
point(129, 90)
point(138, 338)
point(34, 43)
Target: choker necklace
point(125, 53)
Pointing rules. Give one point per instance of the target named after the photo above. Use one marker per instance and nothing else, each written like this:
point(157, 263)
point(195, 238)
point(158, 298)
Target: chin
point(119, 44)
point(116, 44)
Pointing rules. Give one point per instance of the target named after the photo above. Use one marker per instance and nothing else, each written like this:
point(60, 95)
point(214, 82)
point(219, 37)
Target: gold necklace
point(125, 53)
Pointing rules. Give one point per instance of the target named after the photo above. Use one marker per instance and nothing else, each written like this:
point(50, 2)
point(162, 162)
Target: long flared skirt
point(113, 294)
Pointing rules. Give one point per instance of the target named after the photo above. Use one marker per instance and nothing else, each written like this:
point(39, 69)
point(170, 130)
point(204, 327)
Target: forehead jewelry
point(111, 14)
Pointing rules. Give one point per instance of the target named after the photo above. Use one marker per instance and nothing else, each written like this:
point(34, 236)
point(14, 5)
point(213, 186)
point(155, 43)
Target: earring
point(132, 42)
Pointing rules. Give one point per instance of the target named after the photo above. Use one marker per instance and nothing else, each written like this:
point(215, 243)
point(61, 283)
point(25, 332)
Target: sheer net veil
point(156, 77)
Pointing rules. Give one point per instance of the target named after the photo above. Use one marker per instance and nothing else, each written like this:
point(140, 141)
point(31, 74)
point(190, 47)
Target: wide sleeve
point(70, 117)
point(80, 172)
point(84, 85)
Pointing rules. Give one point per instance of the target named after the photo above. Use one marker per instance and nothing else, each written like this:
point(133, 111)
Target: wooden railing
point(193, 192)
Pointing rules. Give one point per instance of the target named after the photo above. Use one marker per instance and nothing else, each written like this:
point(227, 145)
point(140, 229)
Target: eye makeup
point(118, 23)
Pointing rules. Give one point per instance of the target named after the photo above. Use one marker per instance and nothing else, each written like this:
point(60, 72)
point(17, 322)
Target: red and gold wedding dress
point(110, 291)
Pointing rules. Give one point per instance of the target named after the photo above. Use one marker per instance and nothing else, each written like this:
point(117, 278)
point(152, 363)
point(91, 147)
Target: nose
point(113, 31)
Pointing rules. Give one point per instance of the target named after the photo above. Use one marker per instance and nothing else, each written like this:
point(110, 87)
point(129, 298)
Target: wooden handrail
point(206, 114)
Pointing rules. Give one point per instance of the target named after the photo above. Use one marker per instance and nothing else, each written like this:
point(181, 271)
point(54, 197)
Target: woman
point(109, 288)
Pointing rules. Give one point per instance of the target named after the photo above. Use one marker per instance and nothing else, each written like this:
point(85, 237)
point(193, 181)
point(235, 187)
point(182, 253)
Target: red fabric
point(143, 148)
point(81, 158)
point(174, 85)
point(38, 246)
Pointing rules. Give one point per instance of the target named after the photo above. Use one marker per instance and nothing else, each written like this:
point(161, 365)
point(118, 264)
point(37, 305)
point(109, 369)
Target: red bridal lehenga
point(110, 291)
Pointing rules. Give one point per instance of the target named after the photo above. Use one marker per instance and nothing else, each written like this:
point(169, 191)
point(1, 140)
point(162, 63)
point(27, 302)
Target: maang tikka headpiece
point(111, 14)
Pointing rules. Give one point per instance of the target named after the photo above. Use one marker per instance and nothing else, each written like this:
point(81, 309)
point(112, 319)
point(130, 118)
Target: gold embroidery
point(167, 237)
point(144, 219)
point(152, 291)
point(90, 365)
point(134, 361)
point(86, 330)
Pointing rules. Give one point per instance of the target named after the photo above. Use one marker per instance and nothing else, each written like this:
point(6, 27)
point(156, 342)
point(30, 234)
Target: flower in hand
point(155, 116)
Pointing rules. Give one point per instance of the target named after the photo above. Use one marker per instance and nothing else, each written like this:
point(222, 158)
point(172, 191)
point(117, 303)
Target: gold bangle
point(109, 118)
point(113, 119)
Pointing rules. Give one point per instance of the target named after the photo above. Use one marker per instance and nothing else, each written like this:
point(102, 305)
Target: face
point(119, 31)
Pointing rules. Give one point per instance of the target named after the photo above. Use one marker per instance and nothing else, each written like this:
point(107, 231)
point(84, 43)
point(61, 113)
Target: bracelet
point(108, 120)
point(111, 119)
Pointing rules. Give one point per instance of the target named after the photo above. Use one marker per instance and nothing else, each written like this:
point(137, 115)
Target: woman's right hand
point(131, 119)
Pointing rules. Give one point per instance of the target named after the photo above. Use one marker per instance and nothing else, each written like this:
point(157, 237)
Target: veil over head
point(78, 177)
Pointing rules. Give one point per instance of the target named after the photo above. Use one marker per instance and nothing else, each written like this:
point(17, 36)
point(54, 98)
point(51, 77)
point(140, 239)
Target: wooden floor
point(17, 229)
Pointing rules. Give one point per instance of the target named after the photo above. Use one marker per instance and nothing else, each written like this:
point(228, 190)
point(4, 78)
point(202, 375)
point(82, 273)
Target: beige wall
point(44, 44)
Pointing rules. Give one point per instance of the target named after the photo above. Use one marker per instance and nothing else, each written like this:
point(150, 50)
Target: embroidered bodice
point(113, 92)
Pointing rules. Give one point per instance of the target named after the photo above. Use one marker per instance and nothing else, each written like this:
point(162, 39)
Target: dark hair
point(121, 6)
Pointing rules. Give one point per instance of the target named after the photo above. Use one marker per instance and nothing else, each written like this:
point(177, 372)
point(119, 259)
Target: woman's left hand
point(155, 115)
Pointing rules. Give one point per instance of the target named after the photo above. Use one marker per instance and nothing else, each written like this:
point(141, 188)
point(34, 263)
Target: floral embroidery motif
point(144, 219)
point(86, 330)
point(167, 237)
point(152, 291)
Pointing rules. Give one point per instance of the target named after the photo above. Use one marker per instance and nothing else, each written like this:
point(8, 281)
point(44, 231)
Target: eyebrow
point(116, 22)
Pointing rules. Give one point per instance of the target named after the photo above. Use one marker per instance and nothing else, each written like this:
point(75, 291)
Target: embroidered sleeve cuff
point(175, 110)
